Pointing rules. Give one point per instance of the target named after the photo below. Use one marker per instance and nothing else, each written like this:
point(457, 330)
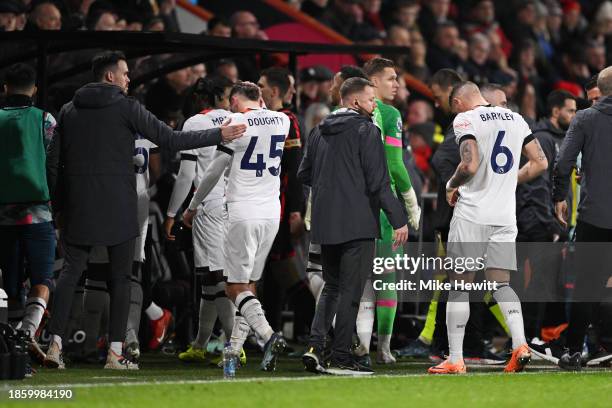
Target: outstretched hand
point(230, 132)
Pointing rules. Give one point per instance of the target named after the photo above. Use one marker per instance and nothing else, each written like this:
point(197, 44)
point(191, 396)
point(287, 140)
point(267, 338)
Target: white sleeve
point(463, 125)
point(212, 174)
point(193, 124)
point(182, 185)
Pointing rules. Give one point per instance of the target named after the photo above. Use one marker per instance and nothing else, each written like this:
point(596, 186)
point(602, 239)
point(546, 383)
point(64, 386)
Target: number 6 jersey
point(253, 183)
point(489, 197)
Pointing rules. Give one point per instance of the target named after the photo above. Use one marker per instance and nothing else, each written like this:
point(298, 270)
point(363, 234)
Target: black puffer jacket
point(346, 167)
point(90, 168)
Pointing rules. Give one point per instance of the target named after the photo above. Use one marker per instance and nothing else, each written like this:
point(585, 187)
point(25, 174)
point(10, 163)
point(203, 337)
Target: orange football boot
point(520, 358)
point(446, 367)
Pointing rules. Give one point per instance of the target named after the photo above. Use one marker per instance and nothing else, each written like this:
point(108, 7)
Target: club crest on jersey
point(463, 124)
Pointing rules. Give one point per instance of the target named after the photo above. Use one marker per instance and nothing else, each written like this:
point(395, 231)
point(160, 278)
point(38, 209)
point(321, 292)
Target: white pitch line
point(269, 379)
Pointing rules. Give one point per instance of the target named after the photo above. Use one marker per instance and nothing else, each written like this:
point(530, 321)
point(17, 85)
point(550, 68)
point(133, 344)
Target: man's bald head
point(465, 96)
point(604, 81)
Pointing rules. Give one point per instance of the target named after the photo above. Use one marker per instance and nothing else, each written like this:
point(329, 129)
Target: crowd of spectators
point(529, 47)
point(99, 15)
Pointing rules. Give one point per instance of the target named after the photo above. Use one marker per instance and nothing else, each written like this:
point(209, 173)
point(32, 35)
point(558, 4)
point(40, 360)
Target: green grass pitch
point(163, 381)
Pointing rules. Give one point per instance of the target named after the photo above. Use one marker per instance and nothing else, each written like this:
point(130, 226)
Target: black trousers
point(346, 268)
point(545, 284)
point(121, 257)
point(593, 271)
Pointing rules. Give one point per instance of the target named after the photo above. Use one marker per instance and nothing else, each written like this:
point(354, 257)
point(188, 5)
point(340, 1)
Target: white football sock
point(34, 311)
point(57, 340)
point(250, 308)
point(117, 347)
point(316, 284)
point(457, 316)
point(240, 332)
point(365, 323)
point(225, 309)
point(365, 316)
point(384, 343)
point(510, 306)
point(154, 312)
point(207, 317)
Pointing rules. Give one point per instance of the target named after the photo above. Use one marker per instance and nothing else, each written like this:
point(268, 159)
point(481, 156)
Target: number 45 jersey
point(253, 183)
point(489, 197)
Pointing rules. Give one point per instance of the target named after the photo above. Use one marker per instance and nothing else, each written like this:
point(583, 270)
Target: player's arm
point(146, 124)
point(566, 161)
point(468, 151)
point(537, 162)
point(182, 185)
point(212, 174)
point(397, 169)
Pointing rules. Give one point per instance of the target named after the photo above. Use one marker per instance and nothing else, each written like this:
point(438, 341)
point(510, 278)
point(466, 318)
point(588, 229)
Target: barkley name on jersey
point(489, 197)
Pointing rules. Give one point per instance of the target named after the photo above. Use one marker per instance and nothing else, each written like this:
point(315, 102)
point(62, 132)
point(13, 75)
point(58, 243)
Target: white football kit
point(252, 192)
point(209, 222)
point(484, 219)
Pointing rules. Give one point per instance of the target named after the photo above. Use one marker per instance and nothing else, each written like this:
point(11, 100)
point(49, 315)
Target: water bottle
point(229, 362)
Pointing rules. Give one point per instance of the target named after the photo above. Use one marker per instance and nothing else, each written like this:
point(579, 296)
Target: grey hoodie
point(590, 133)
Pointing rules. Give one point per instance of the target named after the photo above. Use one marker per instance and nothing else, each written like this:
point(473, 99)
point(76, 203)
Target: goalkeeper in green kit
point(382, 73)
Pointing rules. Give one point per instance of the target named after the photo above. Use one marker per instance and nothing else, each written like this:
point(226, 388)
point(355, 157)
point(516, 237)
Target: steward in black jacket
point(346, 167)
point(90, 167)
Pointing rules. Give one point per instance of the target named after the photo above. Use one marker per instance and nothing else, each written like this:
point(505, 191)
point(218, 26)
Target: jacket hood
point(546, 126)
point(342, 120)
point(97, 95)
point(604, 105)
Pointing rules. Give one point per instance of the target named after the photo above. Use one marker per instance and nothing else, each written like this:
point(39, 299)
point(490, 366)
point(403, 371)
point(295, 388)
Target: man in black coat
point(536, 222)
point(93, 189)
point(345, 166)
point(589, 134)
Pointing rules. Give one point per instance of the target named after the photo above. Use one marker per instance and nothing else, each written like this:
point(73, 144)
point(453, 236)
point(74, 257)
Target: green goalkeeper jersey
point(389, 121)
